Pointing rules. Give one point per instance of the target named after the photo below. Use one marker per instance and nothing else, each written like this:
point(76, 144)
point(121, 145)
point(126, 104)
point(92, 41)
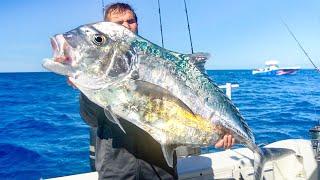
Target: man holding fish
point(127, 151)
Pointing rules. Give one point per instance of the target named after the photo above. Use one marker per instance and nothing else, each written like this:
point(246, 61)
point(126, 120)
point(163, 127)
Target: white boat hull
point(234, 164)
point(237, 163)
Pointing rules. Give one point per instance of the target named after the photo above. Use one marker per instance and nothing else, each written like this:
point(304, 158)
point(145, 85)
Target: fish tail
point(258, 164)
point(264, 155)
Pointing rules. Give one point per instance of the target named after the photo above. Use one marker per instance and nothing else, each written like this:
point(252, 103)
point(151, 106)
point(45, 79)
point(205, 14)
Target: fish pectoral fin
point(112, 117)
point(199, 60)
point(157, 92)
point(168, 151)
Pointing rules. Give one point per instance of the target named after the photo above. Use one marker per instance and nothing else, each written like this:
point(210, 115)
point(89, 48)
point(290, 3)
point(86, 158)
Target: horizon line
point(206, 69)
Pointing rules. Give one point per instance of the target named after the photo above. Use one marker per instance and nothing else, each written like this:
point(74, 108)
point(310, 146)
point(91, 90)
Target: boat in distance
point(272, 68)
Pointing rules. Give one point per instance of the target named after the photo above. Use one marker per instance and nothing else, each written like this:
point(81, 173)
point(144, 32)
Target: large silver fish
point(165, 93)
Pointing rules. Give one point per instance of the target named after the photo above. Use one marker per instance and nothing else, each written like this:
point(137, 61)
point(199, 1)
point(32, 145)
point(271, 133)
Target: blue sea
point(43, 136)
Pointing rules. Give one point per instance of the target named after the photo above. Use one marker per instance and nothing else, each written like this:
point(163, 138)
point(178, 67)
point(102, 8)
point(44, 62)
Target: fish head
point(93, 55)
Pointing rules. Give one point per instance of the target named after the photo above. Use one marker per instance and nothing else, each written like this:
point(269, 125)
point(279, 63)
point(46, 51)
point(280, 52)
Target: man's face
point(125, 19)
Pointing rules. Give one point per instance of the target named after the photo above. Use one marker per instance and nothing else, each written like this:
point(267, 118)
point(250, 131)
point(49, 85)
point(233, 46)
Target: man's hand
point(226, 142)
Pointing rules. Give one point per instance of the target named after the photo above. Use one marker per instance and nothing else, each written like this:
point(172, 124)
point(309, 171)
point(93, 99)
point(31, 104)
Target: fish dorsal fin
point(199, 60)
point(168, 151)
point(112, 117)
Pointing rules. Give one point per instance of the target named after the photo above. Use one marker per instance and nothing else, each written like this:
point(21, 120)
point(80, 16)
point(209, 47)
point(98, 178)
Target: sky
point(239, 34)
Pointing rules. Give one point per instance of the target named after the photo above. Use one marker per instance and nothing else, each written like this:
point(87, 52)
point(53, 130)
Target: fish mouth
point(62, 51)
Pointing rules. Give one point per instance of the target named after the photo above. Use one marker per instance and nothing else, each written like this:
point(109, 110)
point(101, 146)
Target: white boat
point(272, 68)
point(237, 164)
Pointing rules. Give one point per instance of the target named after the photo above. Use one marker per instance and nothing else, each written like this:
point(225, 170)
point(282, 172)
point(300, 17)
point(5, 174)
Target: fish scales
point(195, 80)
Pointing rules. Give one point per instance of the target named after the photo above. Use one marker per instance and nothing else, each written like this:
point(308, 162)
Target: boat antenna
point(103, 8)
point(294, 37)
point(160, 23)
point(185, 7)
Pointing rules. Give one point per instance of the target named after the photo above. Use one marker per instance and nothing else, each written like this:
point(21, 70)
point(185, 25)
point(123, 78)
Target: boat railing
point(228, 87)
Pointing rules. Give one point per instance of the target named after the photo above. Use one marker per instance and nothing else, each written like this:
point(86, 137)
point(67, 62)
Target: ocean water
point(43, 136)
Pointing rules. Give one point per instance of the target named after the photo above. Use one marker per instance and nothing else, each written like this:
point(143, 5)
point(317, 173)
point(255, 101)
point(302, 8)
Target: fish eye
point(99, 39)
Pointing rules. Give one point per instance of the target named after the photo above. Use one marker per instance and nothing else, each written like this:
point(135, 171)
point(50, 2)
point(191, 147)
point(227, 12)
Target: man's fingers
point(230, 141)
point(233, 141)
point(219, 144)
point(225, 141)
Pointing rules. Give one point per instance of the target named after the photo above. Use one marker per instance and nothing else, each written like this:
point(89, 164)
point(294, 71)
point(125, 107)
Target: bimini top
point(271, 62)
